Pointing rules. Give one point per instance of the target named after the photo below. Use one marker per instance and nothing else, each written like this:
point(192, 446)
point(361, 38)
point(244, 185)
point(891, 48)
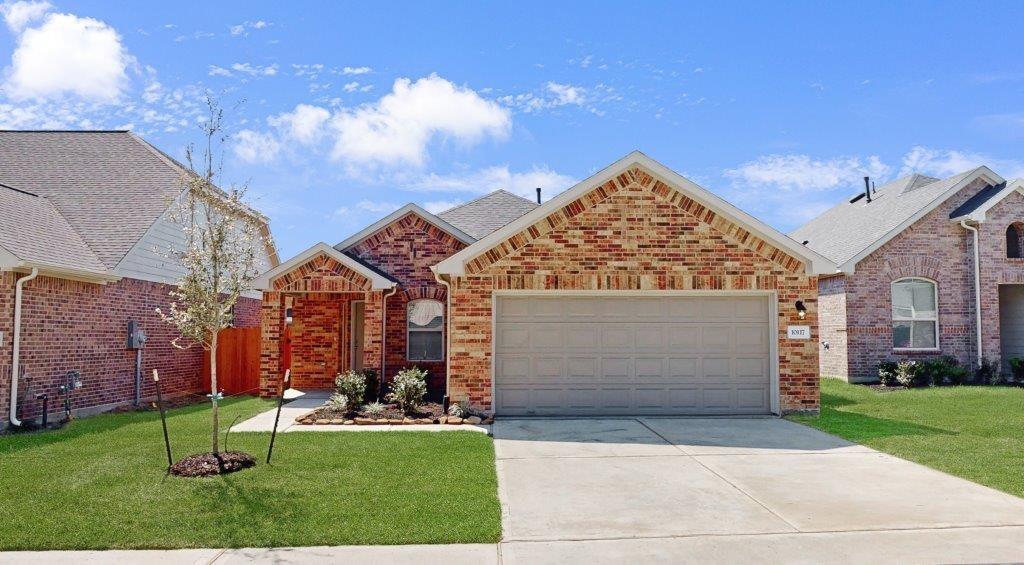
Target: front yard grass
point(972, 432)
point(100, 483)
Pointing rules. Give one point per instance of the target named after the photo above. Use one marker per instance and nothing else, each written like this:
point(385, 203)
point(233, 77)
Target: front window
point(915, 314)
point(425, 330)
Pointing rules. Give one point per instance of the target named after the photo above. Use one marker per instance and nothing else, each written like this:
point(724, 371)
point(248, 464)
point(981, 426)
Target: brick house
point(87, 213)
point(634, 292)
point(927, 267)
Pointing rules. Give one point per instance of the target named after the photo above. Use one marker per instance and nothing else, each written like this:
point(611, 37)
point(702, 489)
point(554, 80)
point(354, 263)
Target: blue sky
point(342, 112)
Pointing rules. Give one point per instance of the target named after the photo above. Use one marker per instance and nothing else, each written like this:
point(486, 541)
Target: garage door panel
point(632, 355)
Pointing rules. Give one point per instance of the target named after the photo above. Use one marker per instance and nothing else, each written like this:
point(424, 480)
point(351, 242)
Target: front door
point(357, 336)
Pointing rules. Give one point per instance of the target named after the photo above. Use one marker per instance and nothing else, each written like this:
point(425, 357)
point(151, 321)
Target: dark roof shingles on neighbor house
point(110, 186)
point(480, 217)
point(35, 231)
point(847, 229)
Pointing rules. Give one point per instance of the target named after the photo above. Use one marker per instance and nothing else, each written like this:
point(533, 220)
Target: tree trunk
point(213, 391)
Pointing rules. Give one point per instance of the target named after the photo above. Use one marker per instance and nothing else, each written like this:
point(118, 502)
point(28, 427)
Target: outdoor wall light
point(801, 310)
point(288, 315)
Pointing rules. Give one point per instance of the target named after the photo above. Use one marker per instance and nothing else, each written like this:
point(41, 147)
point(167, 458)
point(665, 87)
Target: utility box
point(136, 337)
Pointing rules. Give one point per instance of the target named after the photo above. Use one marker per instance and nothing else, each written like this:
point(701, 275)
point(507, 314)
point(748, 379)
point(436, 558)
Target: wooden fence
point(238, 361)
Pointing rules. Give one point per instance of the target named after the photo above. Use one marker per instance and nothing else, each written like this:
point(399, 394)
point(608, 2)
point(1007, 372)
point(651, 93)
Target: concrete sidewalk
point(955, 545)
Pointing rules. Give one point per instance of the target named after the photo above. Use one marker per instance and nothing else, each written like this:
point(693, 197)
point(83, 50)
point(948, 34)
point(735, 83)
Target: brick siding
point(632, 233)
point(70, 325)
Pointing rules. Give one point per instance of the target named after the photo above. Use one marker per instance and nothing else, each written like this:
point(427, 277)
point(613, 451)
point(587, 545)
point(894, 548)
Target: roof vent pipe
point(867, 188)
point(538, 195)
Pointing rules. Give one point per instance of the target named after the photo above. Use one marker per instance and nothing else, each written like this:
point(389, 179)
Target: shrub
point(1017, 369)
point(372, 383)
point(374, 409)
point(352, 385)
point(942, 371)
point(338, 402)
point(887, 373)
point(908, 374)
point(988, 373)
point(408, 388)
point(460, 409)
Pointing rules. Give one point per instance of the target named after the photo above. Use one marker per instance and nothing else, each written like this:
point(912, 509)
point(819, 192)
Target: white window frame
point(409, 330)
point(893, 318)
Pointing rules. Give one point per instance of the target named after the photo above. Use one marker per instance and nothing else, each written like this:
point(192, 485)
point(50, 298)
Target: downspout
point(447, 332)
point(384, 340)
point(977, 286)
point(16, 359)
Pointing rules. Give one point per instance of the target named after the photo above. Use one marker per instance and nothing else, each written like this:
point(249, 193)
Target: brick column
point(272, 315)
point(373, 330)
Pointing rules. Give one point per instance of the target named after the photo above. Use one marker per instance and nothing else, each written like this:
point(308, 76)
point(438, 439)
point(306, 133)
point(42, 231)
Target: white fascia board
point(398, 214)
point(815, 262)
point(981, 172)
point(377, 281)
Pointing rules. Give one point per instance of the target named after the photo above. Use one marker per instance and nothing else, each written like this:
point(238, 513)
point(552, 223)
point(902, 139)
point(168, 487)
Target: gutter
point(384, 340)
point(977, 287)
point(447, 331)
point(16, 358)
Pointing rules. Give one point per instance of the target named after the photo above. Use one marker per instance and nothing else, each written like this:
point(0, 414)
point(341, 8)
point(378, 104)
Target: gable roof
point(850, 231)
point(399, 214)
point(33, 233)
point(977, 206)
point(815, 263)
point(378, 280)
point(487, 213)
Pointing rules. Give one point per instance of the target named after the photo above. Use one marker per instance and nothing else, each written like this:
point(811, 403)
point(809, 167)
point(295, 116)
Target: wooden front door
point(357, 336)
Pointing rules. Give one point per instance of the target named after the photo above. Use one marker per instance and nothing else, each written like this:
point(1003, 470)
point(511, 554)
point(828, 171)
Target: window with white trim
point(915, 314)
point(425, 330)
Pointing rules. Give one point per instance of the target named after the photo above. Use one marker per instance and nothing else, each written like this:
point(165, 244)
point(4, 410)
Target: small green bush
point(408, 388)
point(461, 409)
point(887, 373)
point(942, 371)
point(372, 383)
point(374, 409)
point(988, 373)
point(1017, 369)
point(353, 386)
point(908, 374)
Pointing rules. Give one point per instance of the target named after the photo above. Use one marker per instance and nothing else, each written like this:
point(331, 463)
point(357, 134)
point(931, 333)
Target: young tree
point(220, 256)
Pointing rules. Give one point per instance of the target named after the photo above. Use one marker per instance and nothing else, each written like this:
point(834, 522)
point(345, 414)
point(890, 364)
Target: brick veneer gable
point(322, 274)
point(631, 233)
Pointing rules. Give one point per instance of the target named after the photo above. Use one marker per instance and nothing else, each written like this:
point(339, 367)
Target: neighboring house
point(908, 285)
point(88, 211)
point(634, 292)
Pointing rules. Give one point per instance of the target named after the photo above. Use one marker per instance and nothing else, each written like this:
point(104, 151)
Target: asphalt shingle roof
point(486, 214)
point(109, 186)
point(846, 229)
point(35, 231)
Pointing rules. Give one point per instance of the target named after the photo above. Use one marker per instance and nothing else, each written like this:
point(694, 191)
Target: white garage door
point(671, 355)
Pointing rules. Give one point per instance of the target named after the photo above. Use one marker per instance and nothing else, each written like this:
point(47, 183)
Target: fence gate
point(238, 361)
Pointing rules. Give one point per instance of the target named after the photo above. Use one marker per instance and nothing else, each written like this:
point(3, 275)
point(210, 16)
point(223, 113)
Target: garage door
point(668, 355)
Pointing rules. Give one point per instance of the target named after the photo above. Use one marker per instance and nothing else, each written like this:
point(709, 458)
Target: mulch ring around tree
point(428, 413)
point(208, 464)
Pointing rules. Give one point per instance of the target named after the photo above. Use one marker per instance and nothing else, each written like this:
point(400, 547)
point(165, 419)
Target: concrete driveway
point(598, 490)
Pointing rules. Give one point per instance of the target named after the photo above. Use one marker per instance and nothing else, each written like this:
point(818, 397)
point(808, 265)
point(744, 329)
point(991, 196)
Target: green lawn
point(973, 432)
point(100, 483)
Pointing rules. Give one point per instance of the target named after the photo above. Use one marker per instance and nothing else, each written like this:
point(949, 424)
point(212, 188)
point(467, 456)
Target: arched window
point(425, 330)
point(915, 314)
point(1013, 243)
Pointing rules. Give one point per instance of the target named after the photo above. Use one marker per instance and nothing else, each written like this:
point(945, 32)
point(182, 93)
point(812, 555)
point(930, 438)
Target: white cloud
point(435, 206)
point(485, 180)
point(802, 173)
point(351, 86)
point(554, 95)
point(17, 15)
point(216, 71)
point(356, 70)
point(377, 207)
point(303, 124)
point(255, 147)
point(255, 70)
point(67, 54)
point(398, 128)
point(948, 162)
point(244, 27)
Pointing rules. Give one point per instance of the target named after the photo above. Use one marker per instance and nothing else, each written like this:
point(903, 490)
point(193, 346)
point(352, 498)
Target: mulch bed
point(428, 413)
point(208, 464)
